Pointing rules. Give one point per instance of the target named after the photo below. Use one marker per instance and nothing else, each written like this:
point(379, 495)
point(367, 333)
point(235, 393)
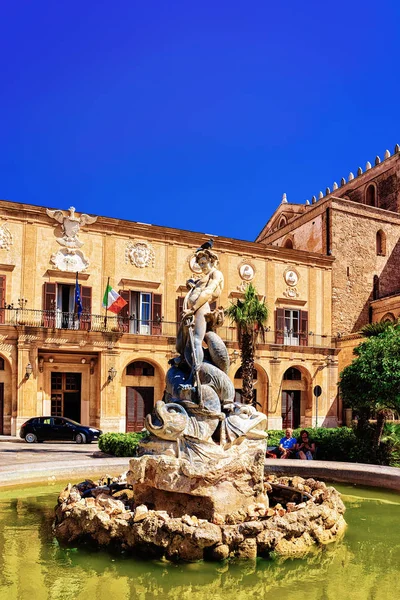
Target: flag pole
point(105, 313)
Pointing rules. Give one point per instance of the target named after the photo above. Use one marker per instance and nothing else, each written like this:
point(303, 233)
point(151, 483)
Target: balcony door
point(59, 306)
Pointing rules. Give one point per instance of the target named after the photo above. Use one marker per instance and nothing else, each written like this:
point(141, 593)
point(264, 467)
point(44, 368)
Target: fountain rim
point(329, 471)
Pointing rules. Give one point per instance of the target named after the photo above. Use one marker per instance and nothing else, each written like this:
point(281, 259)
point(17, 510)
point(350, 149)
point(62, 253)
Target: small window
point(292, 374)
point(370, 195)
point(238, 374)
point(380, 243)
point(140, 368)
point(1, 364)
point(288, 243)
point(388, 318)
point(375, 288)
point(282, 222)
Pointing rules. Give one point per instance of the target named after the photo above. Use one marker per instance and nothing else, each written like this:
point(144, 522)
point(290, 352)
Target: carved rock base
point(290, 530)
point(215, 490)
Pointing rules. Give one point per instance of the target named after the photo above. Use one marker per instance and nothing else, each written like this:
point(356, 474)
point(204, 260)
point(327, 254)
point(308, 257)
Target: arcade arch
point(296, 397)
point(142, 386)
point(260, 379)
point(5, 396)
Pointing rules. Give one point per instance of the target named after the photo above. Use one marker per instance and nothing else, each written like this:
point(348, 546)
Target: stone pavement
point(27, 463)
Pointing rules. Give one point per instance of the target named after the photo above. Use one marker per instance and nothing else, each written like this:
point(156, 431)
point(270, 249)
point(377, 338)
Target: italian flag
point(112, 301)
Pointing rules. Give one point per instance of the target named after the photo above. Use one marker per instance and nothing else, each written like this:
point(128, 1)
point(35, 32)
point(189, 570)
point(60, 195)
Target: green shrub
point(332, 444)
point(121, 444)
point(345, 444)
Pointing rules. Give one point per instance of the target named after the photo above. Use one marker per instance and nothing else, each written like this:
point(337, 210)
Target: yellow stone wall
point(27, 266)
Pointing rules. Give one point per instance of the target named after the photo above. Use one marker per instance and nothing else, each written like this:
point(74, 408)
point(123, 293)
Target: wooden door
point(1, 408)
point(291, 409)
point(66, 395)
point(139, 403)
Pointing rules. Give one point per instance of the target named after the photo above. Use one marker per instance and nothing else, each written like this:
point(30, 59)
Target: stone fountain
point(197, 488)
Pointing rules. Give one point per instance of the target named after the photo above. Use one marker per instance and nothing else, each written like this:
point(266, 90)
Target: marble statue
point(198, 430)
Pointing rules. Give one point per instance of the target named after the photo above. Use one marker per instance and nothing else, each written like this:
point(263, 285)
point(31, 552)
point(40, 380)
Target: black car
point(39, 429)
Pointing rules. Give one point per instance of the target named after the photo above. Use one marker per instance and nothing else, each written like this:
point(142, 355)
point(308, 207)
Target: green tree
point(250, 315)
point(371, 383)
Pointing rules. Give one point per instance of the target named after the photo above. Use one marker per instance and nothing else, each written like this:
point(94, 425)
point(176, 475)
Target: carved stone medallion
point(246, 271)
point(291, 277)
point(141, 254)
point(6, 239)
point(69, 260)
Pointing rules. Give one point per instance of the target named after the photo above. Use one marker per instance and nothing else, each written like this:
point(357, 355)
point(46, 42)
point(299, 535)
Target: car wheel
point(30, 438)
point(80, 438)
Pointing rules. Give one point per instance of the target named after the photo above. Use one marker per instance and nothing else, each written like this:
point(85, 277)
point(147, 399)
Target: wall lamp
point(112, 371)
point(28, 370)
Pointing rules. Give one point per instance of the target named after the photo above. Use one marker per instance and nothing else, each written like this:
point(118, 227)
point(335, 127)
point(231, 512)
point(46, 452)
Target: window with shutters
point(2, 298)
point(60, 309)
point(291, 327)
point(142, 313)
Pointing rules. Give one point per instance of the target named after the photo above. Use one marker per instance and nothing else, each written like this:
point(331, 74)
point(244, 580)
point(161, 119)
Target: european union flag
point(78, 302)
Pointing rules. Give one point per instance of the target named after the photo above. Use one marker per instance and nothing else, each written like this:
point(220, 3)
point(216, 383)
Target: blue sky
point(196, 115)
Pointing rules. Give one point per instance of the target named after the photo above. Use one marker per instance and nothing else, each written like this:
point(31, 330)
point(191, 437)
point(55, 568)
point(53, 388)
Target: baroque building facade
point(108, 370)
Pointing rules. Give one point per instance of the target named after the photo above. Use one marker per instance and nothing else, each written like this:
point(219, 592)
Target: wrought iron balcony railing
point(54, 319)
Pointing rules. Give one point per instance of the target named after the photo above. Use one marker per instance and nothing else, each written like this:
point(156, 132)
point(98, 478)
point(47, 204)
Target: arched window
point(238, 374)
point(1, 364)
point(282, 222)
point(388, 318)
point(375, 289)
point(139, 368)
point(380, 243)
point(288, 243)
point(292, 374)
point(370, 195)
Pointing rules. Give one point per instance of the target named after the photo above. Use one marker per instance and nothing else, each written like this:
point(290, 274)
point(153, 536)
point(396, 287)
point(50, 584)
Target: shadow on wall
point(388, 284)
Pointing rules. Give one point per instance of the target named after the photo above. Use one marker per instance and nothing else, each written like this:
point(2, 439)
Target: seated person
point(305, 447)
point(287, 444)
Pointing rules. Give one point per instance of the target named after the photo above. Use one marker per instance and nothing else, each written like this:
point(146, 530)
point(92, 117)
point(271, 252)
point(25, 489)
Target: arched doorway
point(139, 397)
point(295, 397)
point(2, 364)
point(238, 380)
point(260, 382)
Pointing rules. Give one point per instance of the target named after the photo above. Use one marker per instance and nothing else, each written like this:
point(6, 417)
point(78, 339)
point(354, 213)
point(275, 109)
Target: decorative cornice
point(141, 285)
point(4, 267)
point(291, 301)
point(66, 274)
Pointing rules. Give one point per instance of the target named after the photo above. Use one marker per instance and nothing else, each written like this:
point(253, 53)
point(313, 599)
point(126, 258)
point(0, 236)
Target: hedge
point(340, 443)
point(344, 445)
point(121, 444)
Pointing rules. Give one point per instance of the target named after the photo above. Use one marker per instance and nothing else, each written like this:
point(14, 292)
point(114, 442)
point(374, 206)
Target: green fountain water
point(33, 566)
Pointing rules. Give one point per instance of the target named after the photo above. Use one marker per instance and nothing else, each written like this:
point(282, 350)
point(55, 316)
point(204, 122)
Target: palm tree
point(250, 315)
